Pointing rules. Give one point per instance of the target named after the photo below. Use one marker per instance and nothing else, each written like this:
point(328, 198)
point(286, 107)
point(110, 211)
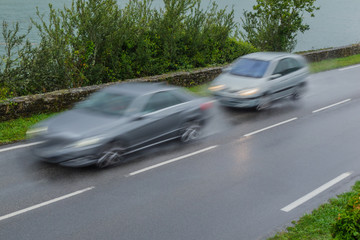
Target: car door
point(297, 72)
point(282, 85)
point(158, 120)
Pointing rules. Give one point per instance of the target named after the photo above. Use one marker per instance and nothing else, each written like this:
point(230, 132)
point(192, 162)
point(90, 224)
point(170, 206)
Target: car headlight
point(35, 131)
point(248, 92)
point(216, 88)
point(85, 142)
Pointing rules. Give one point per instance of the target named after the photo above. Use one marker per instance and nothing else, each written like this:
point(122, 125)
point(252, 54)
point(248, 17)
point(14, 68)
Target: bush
point(94, 41)
point(347, 225)
point(13, 76)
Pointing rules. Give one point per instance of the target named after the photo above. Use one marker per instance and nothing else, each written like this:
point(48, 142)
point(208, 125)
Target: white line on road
point(330, 106)
point(272, 126)
point(44, 204)
point(347, 68)
point(171, 161)
point(19, 146)
point(317, 191)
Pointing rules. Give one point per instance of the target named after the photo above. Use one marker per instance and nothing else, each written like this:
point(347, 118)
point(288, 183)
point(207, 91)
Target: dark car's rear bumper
point(237, 102)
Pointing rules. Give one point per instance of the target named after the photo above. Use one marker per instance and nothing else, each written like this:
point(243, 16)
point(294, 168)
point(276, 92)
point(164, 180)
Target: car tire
point(111, 154)
point(298, 92)
point(190, 131)
point(264, 102)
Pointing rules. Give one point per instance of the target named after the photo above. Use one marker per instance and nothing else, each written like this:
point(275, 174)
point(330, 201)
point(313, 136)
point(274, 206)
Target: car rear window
point(162, 100)
point(107, 103)
point(249, 67)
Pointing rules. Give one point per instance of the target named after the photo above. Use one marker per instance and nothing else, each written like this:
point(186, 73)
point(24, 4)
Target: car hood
point(79, 123)
point(237, 83)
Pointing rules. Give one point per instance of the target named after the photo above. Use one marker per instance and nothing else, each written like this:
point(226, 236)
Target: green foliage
point(347, 225)
point(96, 41)
point(13, 76)
point(274, 24)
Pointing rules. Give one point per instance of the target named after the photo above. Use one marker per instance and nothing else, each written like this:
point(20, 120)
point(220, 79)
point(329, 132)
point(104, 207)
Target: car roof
point(138, 88)
point(267, 56)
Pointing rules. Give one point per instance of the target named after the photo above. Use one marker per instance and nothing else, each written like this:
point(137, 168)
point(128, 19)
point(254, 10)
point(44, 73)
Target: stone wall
point(317, 56)
point(64, 99)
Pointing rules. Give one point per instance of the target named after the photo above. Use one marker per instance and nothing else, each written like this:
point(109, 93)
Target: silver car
point(256, 80)
point(117, 121)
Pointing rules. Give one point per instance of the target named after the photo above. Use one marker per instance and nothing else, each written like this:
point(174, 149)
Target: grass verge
point(14, 130)
point(318, 224)
point(334, 63)
point(201, 90)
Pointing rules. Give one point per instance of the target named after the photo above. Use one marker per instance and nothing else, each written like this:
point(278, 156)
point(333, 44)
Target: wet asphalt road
point(235, 183)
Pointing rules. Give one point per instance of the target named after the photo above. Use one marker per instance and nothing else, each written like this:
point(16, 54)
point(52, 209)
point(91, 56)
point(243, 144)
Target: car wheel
point(264, 102)
point(111, 154)
point(298, 92)
point(190, 131)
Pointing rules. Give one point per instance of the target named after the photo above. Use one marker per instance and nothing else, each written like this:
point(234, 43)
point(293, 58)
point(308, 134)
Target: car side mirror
point(138, 116)
point(226, 69)
point(274, 76)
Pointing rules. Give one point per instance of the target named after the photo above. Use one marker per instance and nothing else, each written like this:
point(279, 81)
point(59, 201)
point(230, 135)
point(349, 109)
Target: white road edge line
point(269, 127)
point(170, 161)
point(44, 204)
point(347, 68)
point(317, 191)
point(19, 146)
point(332, 105)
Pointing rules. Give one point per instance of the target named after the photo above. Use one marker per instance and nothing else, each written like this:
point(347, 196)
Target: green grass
point(334, 63)
point(15, 130)
point(201, 90)
point(318, 224)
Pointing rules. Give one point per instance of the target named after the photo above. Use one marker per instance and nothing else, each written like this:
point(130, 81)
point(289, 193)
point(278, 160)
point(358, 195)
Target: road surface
point(250, 175)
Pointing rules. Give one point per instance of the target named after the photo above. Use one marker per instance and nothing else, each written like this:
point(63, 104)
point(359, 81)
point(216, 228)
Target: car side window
point(160, 101)
point(281, 67)
point(286, 66)
point(294, 65)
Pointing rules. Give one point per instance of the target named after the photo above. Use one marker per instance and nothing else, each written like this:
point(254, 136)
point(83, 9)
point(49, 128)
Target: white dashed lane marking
point(332, 105)
point(10, 215)
point(269, 127)
point(317, 191)
point(171, 161)
point(19, 146)
point(348, 68)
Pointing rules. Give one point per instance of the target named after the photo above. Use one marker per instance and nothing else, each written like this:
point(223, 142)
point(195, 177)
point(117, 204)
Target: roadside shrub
point(347, 225)
point(13, 69)
point(96, 41)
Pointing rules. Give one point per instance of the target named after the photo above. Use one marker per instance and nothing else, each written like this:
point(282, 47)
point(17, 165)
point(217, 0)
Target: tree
point(274, 24)
point(17, 49)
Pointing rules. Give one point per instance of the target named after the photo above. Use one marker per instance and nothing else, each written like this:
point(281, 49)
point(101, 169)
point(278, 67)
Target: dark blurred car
point(119, 120)
point(258, 79)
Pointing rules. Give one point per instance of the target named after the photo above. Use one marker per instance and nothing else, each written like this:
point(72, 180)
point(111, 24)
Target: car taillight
point(206, 105)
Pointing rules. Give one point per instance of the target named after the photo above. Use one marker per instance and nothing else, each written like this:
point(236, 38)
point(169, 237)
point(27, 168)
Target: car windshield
point(249, 67)
point(107, 102)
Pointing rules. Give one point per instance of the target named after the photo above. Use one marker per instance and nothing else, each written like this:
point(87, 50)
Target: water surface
point(335, 24)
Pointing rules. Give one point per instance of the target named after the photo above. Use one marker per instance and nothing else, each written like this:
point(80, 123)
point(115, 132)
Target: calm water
point(335, 24)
